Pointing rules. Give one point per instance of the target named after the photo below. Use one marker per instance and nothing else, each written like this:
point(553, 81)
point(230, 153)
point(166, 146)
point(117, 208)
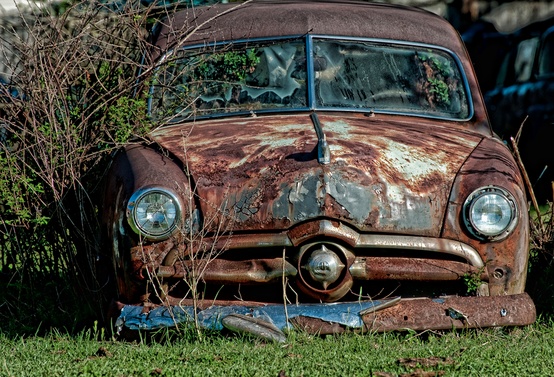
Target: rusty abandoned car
point(322, 165)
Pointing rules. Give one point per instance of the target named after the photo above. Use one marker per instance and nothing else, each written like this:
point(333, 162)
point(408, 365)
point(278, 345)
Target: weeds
point(473, 280)
point(72, 93)
point(541, 268)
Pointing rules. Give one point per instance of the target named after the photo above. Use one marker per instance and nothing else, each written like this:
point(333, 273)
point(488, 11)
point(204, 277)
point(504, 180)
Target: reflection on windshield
point(352, 75)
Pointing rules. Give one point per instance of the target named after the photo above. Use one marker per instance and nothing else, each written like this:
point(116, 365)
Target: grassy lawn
point(490, 352)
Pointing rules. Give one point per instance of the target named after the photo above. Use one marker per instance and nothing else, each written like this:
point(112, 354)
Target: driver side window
point(546, 58)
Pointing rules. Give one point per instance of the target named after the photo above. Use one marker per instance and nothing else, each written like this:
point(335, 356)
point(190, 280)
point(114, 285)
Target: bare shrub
point(72, 94)
point(69, 99)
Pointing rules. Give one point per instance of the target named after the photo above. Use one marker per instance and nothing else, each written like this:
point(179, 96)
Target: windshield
point(278, 75)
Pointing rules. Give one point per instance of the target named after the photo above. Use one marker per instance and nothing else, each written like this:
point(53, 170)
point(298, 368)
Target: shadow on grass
point(540, 285)
point(35, 304)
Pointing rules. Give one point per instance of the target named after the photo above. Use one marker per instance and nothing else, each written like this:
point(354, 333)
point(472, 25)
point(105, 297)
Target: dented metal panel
point(455, 312)
point(346, 314)
point(442, 314)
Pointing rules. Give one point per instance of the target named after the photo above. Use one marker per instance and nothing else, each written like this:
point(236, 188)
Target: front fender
point(133, 168)
point(491, 163)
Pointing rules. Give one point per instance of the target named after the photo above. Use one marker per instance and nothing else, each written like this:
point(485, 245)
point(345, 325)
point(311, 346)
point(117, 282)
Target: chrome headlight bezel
point(143, 226)
point(491, 198)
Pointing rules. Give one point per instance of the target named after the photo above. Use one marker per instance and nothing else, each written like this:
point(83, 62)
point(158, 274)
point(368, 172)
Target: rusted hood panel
point(386, 174)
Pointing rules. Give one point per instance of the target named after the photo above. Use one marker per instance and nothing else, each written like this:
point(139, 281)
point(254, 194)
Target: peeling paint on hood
point(386, 174)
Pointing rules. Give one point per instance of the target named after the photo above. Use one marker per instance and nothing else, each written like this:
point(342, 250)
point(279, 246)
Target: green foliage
point(230, 66)
point(127, 118)
point(16, 191)
point(473, 281)
point(438, 73)
point(440, 89)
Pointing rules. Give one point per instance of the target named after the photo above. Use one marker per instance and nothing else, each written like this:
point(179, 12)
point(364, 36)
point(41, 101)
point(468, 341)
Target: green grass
point(490, 352)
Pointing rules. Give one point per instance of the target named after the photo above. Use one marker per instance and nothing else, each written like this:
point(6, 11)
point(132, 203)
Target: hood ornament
point(323, 151)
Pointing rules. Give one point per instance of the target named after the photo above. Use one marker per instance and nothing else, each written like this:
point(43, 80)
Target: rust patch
point(474, 312)
point(304, 230)
point(231, 272)
point(414, 269)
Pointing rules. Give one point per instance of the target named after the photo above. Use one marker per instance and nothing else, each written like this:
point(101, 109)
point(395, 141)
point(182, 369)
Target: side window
point(506, 73)
point(546, 57)
point(525, 57)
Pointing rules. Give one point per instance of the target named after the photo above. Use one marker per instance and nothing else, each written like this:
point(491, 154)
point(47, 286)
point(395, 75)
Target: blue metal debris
point(346, 314)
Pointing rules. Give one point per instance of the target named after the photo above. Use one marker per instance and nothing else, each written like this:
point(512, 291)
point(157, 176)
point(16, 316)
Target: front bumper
point(444, 313)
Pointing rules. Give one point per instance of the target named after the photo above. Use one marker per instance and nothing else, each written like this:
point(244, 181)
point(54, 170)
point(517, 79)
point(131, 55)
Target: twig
point(527, 181)
point(285, 290)
point(518, 135)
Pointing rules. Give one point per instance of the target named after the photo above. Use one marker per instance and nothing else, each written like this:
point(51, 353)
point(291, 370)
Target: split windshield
point(281, 75)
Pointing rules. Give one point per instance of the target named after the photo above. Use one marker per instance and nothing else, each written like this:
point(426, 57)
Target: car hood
point(385, 174)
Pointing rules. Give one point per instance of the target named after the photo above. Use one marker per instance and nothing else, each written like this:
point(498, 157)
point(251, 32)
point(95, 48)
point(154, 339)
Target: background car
point(329, 164)
point(522, 98)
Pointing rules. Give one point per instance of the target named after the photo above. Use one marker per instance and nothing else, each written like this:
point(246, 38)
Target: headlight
point(490, 213)
point(154, 213)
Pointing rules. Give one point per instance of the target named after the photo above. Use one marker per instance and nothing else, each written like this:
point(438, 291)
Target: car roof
point(262, 18)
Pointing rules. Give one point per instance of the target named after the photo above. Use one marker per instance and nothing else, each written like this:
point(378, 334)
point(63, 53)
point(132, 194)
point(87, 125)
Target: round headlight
point(490, 213)
point(154, 213)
